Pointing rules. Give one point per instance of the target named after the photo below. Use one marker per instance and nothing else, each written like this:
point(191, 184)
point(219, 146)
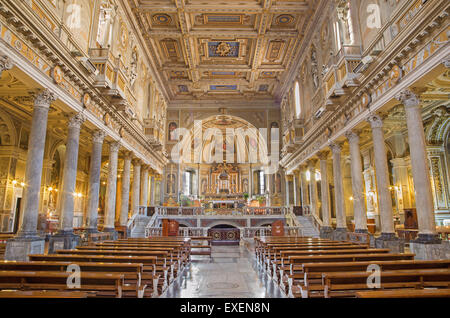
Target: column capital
point(44, 98)
point(408, 98)
point(312, 163)
point(145, 167)
point(114, 146)
point(353, 136)
point(375, 121)
point(5, 63)
point(127, 155)
point(323, 155)
point(76, 120)
point(136, 162)
point(98, 136)
point(336, 148)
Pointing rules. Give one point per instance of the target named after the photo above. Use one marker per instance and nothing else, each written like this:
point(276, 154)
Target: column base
point(340, 234)
point(91, 230)
point(362, 231)
point(390, 241)
point(114, 233)
point(427, 239)
point(19, 247)
point(430, 251)
point(326, 232)
point(63, 240)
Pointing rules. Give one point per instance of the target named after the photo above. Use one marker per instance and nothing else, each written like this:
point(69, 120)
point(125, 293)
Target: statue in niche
point(314, 68)
point(344, 21)
point(204, 186)
point(172, 128)
point(133, 67)
point(104, 24)
point(278, 183)
point(170, 183)
point(245, 185)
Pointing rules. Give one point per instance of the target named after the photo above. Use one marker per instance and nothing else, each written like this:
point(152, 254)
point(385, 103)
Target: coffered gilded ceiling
point(207, 49)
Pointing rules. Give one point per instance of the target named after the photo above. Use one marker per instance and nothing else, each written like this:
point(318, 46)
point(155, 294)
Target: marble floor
point(230, 273)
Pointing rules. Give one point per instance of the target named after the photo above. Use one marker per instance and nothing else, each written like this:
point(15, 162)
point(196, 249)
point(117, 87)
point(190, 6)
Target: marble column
point(304, 187)
point(295, 185)
point(382, 177)
point(94, 181)
point(420, 168)
point(286, 187)
point(5, 64)
point(359, 207)
point(65, 239)
point(136, 184)
point(125, 189)
point(313, 199)
point(326, 229)
point(70, 173)
point(111, 187)
point(144, 186)
point(152, 191)
point(341, 222)
point(388, 239)
point(27, 241)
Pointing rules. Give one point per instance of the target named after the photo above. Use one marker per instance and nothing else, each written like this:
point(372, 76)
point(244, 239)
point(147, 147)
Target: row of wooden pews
point(123, 268)
point(313, 267)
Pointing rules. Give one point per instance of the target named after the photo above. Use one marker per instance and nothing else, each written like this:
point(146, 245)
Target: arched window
point(297, 101)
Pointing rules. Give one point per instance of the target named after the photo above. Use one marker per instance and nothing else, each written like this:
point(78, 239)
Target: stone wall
point(431, 251)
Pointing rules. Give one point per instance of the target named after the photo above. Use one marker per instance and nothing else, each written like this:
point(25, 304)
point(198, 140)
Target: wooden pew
point(313, 271)
point(281, 264)
point(166, 261)
point(104, 284)
point(347, 284)
point(180, 249)
point(149, 276)
point(296, 264)
point(268, 251)
point(132, 272)
point(44, 294)
point(200, 248)
point(405, 293)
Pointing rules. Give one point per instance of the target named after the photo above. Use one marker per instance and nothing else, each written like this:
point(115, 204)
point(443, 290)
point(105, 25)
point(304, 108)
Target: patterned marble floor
point(230, 273)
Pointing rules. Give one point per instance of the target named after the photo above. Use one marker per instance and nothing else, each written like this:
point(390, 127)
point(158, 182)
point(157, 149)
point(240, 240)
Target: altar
point(222, 207)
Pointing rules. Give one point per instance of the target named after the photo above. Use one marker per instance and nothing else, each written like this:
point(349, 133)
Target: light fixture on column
point(318, 176)
point(14, 182)
point(350, 198)
point(22, 184)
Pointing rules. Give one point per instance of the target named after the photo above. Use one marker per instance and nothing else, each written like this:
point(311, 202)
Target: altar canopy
point(225, 179)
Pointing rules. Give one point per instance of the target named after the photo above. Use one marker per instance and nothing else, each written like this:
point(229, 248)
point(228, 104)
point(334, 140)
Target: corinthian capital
point(352, 136)
point(77, 120)
point(375, 121)
point(408, 98)
point(114, 146)
point(98, 136)
point(335, 148)
point(44, 98)
point(323, 155)
point(5, 63)
point(136, 162)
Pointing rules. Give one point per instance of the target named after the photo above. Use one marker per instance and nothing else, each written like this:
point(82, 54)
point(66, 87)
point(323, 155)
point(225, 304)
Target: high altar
point(225, 180)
